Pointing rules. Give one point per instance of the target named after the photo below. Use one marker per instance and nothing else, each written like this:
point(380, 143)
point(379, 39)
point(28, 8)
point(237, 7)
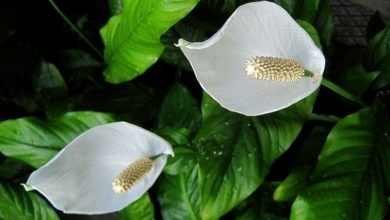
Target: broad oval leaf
point(236, 152)
point(357, 80)
point(36, 141)
point(350, 179)
point(20, 205)
point(379, 48)
point(132, 38)
point(179, 110)
point(179, 195)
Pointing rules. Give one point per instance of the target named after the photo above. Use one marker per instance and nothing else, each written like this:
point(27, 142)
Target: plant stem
point(326, 118)
point(75, 29)
point(342, 92)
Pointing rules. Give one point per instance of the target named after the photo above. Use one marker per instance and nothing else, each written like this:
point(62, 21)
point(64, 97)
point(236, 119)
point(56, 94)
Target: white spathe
point(254, 29)
point(79, 178)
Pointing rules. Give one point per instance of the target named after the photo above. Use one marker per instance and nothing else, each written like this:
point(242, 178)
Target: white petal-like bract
point(79, 178)
point(254, 29)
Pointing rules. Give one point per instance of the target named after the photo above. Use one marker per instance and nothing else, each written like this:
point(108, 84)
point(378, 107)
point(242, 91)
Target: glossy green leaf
point(210, 108)
point(132, 38)
point(379, 48)
point(311, 31)
point(183, 161)
point(350, 180)
point(179, 110)
point(16, 204)
point(140, 209)
point(179, 195)
point(175, 136)
point(303, 166)
point(236, 152)
point(261, 206)
point(357, 80)
point(36, 141)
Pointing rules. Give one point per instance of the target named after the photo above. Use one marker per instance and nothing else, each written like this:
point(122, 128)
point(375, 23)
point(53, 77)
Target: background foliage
point(323, 158)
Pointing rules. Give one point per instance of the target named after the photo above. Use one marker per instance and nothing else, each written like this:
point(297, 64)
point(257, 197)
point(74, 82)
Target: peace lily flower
point(103, 170)
point(255, 64)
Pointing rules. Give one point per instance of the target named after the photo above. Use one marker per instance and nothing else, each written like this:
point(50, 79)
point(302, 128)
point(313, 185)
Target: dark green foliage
point(56, 83)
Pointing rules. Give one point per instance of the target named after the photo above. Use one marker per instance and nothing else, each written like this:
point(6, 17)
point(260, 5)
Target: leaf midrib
point(135, 27)
point(186, 197)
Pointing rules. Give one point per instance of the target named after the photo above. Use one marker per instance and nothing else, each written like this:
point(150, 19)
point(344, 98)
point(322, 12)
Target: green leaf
point(210, 108)
point(303, 166)
point(357, 80)
point(306, 10)
point(382, 80)
point(36, 141)
point(179, 195)
point(16, 204)
point(183, 161)
point(379, 48)
point(261, 206)
point(48, 82)
point(236, 152)
point(140, 209)
point(179, 110)
point(175, 136)
point(350, 177)
point(311, 31)
point(132, 38)
point(324, 22)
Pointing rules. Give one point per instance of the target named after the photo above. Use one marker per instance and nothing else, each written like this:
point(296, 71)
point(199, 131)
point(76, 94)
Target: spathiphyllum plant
point(231, 87)
point(259, 62)
point(103, 170)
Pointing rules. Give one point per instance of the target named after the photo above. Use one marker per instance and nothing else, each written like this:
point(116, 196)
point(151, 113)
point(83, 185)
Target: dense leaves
point(21, 205)
point(179, 110)
point(131, 38)
point(321, 158)
point(350, 177)
point(236, 151)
